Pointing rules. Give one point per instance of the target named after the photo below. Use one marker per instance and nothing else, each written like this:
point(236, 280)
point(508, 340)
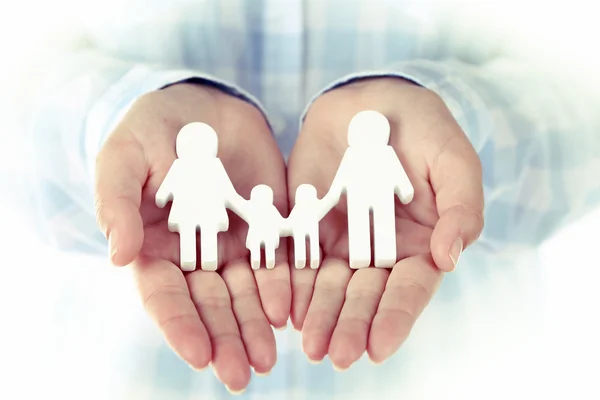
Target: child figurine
point(303, 224)
point(264, 226)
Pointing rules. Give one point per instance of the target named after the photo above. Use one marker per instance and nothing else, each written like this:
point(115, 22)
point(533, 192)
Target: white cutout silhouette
point(303, 224)
point(200, 190)
point(370, 174)
point(265, 226)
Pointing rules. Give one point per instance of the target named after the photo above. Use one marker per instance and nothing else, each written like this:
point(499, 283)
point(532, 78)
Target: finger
point(303, 281)
point(409, 288)
point(167, 300)
point(349, 339)
point(121, 171)
point(456, 179)
point(325, 307)
point(213, 302)
point(255, 329)
point(275, 290)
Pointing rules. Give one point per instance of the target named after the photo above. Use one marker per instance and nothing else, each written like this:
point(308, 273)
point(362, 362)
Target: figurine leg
point(359, 236)
point(269, 255)
point(384, 233)
point(209, 249)
point(299, 250)
point(315, 256)
point(255, 256)
point(187, 247)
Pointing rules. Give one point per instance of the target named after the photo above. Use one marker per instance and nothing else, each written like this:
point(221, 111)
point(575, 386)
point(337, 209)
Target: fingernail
point(214, 370)
point(234, 392)
point(456, 251)
point(314, 362)
point(198, 369)
point(112, 244)
point(375, 362)
point(262, 373)
point(338, 369)
point(282, 328)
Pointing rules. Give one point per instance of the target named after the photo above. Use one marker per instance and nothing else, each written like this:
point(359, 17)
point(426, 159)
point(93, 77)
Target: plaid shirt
point(537, 138)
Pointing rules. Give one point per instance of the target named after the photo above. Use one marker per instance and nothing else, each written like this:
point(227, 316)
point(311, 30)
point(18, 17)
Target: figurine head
point(262, 194)
point(305, 192)
point(197, 140)
point(368, 129)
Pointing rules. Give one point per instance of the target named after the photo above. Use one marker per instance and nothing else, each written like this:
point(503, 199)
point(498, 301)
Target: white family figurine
point(370, 175)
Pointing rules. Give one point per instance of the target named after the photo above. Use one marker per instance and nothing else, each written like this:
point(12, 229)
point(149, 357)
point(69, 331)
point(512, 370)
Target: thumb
point(121, 171)
point(456, 179)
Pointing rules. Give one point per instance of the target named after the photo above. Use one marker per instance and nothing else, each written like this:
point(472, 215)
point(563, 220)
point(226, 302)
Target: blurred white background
point(529, 329)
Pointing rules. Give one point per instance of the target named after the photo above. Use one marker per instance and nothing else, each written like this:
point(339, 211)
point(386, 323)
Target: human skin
point(344, 312)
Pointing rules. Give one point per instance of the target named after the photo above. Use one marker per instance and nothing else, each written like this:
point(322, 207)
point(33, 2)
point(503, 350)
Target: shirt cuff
point(116, 102)
point(445, 78)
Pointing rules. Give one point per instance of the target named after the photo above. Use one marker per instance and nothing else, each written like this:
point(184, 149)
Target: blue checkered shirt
point(537, 137)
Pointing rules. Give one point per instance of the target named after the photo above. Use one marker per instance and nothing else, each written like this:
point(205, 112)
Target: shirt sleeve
point(78, 104)
point(537, 139)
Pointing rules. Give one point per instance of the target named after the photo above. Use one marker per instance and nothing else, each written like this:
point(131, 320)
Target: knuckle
point(213, 302)
point(106, 208)
point(219, 339)
point(401, 313)
point(413, 293)
point(173, 319)
point(319, 319)
point(473, 214)
point(160, 293)
point(245, 295)
point(279, 284)
point(329, 289)
point(351, 325)
point(248, 323)
point(363, 294)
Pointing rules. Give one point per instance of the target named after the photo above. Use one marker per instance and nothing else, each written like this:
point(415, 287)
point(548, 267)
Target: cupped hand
point(224, 317)
point(343, 312)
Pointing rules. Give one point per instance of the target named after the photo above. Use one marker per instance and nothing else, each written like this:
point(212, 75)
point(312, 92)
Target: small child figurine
point(303, 224)
point(264, 226)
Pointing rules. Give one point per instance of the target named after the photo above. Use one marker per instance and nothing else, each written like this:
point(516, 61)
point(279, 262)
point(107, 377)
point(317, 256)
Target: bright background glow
point(555, 353)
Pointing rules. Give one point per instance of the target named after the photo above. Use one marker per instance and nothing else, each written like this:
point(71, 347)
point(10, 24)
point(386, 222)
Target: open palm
point(223, 317)
point(343, 312)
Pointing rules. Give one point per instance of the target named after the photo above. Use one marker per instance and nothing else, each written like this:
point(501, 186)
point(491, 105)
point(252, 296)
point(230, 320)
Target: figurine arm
point(285, 224)
point(323, 207)
point(164, 194)
point(233, 200)
point(237, 204)
point(336, 189)
point(403, 188)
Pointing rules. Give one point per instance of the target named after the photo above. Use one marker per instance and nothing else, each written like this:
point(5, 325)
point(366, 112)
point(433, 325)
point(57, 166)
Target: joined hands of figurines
point(370, 174)
point(222, 315)
point(343, 311)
